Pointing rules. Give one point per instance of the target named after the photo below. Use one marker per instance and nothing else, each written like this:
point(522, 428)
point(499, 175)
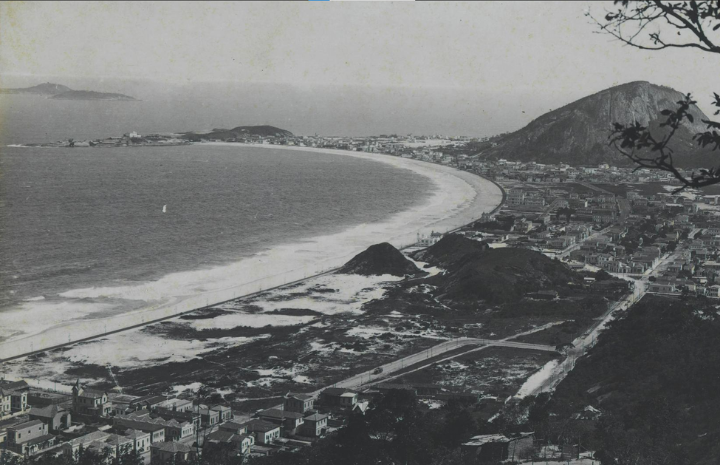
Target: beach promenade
point(459, 198)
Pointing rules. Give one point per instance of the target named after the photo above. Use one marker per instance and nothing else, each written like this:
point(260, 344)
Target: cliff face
point(578, 133)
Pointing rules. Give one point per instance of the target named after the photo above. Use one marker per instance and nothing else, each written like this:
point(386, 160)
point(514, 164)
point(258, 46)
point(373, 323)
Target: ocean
point(87, 217)
point(86, 246)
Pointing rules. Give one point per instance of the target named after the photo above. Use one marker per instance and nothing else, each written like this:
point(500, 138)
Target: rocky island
point(61, 92)
point(91, 95)
point(40, 89)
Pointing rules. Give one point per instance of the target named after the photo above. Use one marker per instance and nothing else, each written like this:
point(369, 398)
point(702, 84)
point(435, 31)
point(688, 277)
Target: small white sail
point(164, 208)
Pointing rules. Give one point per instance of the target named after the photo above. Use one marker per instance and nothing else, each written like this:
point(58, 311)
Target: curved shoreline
point(486, 197)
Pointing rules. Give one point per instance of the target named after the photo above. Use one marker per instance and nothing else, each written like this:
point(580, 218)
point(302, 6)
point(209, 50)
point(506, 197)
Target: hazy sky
point(514, 47)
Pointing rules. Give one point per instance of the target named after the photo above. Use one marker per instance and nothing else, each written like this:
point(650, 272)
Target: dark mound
point(380, 259)
point(578, 133)
point(240, 132)
point(450, 249)
point(502, 275)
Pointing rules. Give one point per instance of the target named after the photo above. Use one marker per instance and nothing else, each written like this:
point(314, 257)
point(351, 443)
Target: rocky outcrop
point(380, 259)
point(578, 133)
point(450, 249)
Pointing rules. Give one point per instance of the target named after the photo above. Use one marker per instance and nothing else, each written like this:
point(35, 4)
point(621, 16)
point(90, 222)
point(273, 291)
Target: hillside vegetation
point(502, 275)
point(655, 377)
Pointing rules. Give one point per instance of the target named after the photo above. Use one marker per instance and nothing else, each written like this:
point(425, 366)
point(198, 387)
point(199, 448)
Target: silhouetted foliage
point(657, 25)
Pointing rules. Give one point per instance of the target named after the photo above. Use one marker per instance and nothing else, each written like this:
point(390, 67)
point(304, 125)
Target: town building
point(29, 437)
point(57, 418)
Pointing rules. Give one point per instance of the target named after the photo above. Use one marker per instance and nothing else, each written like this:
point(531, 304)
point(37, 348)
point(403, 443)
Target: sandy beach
point(459, 198)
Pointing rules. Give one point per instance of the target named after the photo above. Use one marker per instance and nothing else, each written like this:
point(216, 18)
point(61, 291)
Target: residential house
point(499, 447)
point(224, 412)
point(297, 402)
point(29, 437)
point(243, 442)
point(713, 291)
point(123, 403)
point(314, 425)
point(234, 427)
point(57, 418)
point(141, 440)
point(339, 397)
point(209, 417)
point(289, 421)
point(176, 405)
point(171, 452)
point(13, 397)
point(181, 416)
point(264, 432)
point(90, 402)
point(662, 288)
point(154, 429)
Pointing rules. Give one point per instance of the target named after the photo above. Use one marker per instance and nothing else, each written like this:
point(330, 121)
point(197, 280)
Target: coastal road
point(584, 343)
point(371, 378)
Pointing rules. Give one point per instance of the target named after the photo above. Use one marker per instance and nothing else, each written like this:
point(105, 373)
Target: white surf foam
point(459, 198)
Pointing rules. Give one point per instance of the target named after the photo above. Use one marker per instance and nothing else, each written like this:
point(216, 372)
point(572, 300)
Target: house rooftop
point(279, 414)
point(316, 417)
point(134, 433)
point(299, 395)
point(39, 440)
point(46, 412)
point(486, 439)
point(27, 424)
point(172, 447)
point(334, 391)
point(262, 426)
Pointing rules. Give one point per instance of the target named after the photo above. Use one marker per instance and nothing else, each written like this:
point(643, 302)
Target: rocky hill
point(380, 259)
point(90, 95)
point(47, 88)
point(239, 132)
point(450, 249)
point(502, 275)
point(577, 134)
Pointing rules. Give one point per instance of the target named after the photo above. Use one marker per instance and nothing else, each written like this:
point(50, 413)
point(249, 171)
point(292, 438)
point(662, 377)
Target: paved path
point(584, 343)
point(371, 378)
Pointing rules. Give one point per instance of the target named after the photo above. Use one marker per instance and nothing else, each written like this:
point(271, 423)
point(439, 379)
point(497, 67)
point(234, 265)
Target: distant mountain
point(502, 275)
point(450, 249)
point(90, 95)
point(40, 89)
point(240, 131)
point(578, 133)
point(380, 259)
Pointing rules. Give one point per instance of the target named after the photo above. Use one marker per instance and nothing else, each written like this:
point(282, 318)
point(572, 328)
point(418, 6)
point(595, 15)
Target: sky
point(517, 49)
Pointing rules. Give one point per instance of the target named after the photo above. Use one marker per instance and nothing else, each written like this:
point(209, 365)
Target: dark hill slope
point(240, 131)
point(502, 275)
point(654, 375)
point(380, 259)
point(578, 133)
point(450, 249)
